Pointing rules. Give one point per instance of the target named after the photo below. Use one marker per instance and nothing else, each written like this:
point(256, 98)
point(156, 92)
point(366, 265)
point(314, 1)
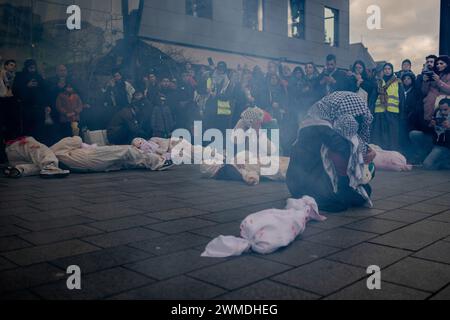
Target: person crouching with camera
point(439, 157)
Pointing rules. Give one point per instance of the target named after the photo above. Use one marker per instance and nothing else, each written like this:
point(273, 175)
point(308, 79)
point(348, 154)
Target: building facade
point(247, 32)
point(296, 31)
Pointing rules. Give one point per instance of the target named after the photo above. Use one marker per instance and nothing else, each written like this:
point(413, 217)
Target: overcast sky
point(410, 29)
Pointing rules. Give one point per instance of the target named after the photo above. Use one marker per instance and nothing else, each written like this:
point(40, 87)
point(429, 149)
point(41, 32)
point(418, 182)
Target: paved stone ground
point(139, 235)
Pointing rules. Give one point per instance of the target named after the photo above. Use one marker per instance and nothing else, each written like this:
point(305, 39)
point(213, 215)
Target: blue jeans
point(438, 159)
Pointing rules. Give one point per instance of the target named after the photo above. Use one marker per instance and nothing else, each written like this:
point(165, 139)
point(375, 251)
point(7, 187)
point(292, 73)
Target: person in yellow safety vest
point(219, 108)
point(389, 119)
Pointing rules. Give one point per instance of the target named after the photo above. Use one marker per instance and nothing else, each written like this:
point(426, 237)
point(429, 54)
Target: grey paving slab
point(174, 214)
point(427, 208)
point(269, 290)
point(389, 291)
point(362, 212)
point(164, 267)
point(22, 295)
point(226, 229)
point(181, 225)
point(425, 193)
point(54, 223)
point(387, 205)
point(96, 285)
point(373, 225)
point(113, 213)
point(103, 259)
point(8, 221)
point(5, 264)
point(333, 221)
point(49, 215)
point(415, 236)
point(419, 274)
point(444, 217)
point(439, 252)
point(48, 206)
point(341, 238)
point(26, 277)
point(322, 277)
point(367, 254)
point(407, 216)
point(442, 200)
point(122, 237)
point(178, 288)
point(11, 230)
point(239, 272)
point(18, 210)
point(29, 256)
point(172, 243)
point(301, 252)
point(164, 204)
point(442, 295)
point(12, 243)
point(123, 223)
point(112, 198)
point(408, 198)
point(60, 234)
point(311, 231)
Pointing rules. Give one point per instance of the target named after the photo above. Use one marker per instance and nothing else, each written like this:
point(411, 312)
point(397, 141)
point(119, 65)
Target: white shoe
point(54, 173)
point(167, 165)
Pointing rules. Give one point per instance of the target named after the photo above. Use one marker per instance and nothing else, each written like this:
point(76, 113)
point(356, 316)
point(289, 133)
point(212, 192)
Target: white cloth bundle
point(390, 160)
point(267, 231)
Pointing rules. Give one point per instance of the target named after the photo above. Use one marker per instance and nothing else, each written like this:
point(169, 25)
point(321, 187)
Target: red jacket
point(69, 107)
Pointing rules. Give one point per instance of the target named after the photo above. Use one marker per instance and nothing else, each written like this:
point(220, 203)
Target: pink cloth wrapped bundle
point(267, 231)
point(390, 160)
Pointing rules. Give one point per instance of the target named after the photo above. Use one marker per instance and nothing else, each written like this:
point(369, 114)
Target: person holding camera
point(439, 151)
point(332, 79)
point(118, 91)
point(434, 85)
point(428, 69)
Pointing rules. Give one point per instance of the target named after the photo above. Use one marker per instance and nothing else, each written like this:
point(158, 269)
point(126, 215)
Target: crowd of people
point(411, 114)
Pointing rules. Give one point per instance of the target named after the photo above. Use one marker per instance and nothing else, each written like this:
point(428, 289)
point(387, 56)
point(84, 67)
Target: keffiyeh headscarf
point(252, 117)
point(348, 113)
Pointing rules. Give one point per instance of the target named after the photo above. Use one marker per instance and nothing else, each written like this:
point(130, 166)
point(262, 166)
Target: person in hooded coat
point(330, 153)
point(362, 84)
point(38, 118)
point(389, 112)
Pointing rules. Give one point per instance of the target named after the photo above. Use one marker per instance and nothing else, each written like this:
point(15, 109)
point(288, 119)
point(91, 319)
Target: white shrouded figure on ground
point(28, 157)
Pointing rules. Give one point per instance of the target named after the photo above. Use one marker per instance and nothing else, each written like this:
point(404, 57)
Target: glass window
point(296, 19)
point(254, 14)
point(331, 27)
point(199, 8)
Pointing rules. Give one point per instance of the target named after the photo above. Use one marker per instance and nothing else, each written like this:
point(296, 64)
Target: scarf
point(335, 110)
point(382, 90)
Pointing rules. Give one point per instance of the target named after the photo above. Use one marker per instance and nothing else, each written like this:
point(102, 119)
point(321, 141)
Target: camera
point(429, 73)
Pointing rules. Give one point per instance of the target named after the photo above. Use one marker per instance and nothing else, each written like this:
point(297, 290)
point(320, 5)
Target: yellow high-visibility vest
point(223, 108)
point(393, 104)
